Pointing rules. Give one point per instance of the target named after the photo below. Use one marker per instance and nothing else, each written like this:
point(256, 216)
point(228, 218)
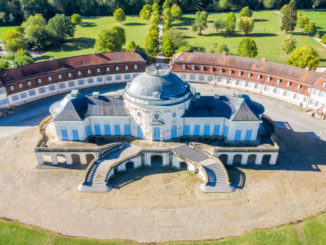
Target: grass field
point(266, 33)
point(4, 29)
point(311, 231)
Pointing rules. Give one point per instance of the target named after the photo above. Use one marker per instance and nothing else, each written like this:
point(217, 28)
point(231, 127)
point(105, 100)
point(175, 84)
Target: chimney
point(216, 96)
point(74, 93)
point(96, 95)
point(197, 96)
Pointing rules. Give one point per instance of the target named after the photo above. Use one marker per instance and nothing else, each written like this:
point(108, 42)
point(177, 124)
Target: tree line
point(16, 11)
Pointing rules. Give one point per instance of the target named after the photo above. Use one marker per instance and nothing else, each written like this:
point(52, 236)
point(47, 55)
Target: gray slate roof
point(232, 108)
point(83, 106)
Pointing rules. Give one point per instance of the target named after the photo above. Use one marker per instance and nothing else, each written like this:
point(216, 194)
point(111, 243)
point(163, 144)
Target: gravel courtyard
point(153, 206)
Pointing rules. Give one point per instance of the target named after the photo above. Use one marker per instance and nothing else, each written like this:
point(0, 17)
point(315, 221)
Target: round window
point(139, 114)
point(156, 116)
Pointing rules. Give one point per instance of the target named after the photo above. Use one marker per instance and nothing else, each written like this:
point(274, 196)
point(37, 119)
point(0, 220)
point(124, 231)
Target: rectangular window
point(225, 131)
point(31, 92)
point(98, 70)
point(117, 77)
point(60, 76)
point(117, 68)
point(29, 83)
point(71, 84)
point(216, 129)
point(107, 130)
point(117, 129)
point(135, 67)
point(127, 129)
point(126, 76)
point(99, 79)
point(41, 90)
point(139, 132)
point(206, 130)
point(75, 135)
point(62, 85)
point(97, 129)
point(12, 88)
point(80, 82)
point(197, 129)
point(108, 78)
point(108, 68)
point(88, 130)
point(23, 95)
point(15, 97)
point(90, 80)
point(248, 134)
point(39, 80)
point(64, 134)
point(2, 90)
point(79, 73)
point(186, 130)
point(4, 102)
point(52, 88)
point(174, 131)
point(237, 135)
point(69, 74)
point(157, 133)
point(126, 68)
point(50, 78)
point(20, 85)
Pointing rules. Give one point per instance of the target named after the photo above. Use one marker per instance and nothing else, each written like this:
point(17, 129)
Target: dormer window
point(39, 80)
point(50, 78)
point(117, 68)
point(278, 81)
point(29, 83)
point(258, 76)
point(239, 73)
point(221, 70)
point(211, 69)
point(249, 74)
point(230, 71)
point(98, 70)
point(135, 66)
point(12, 88)
point(20, 85)
point(79, 73)
point(324, 84)
point(193, 67)
point(202, 68)
point(108, 68)
point(89, 71)
point(268, 79)
point(298, 86)
point(60, 76)
point(126, 68)
point(69, 74)
point(288, 83)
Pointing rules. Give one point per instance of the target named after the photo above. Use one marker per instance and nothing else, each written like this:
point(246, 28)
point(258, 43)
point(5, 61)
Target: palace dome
point(157, 83)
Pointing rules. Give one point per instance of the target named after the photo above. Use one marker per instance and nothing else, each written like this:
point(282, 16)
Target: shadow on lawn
point(261, 20)
point(134, 24)
point(223, 34)
point(87, 24)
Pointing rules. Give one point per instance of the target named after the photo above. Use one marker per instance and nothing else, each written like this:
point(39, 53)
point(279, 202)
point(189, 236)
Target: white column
point(137, 161)
point(244, 159)
point(148, 158)
point(39, 158)
point(273, 158)
point(122, 167)
point(259, 158)
point(165, 159)
point(83, 159)
point(68, 157)
point(175, 162)
point(230, 158)
point(54, 159)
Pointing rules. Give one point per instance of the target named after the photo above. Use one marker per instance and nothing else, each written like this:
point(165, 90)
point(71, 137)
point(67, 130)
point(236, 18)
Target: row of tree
point(15, 11)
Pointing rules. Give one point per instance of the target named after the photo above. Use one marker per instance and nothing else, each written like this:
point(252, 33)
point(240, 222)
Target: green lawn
point(85, 36)
point(319, 18)
point(311, 231)
point(3, 29)
point(266, 33)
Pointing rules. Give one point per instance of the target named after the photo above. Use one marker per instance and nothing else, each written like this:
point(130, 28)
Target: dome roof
point(157, 83)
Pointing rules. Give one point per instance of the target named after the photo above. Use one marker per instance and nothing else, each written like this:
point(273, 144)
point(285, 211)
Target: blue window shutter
point(107, 130)
point(97, 129)
point(117, 129)
point(88, 130)
point(127, 129)
point(248, 134)
point(216, 129)
point(197, 129)
point(157, 135)
point(237, 134)
point(226, 131)
point(75, 134)
point(139, 132)
point(186, 130)
point(64, 134)
point(174, 131)
point(206, 130)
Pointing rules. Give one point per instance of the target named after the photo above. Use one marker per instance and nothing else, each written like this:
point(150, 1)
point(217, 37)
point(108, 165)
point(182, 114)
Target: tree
point(4, 64)
point(76, 19)
point(289, 17)
point(119, 15)
point(223, 4)
point(167, 18)
point(175, 35)
point(155, 18)
point(156, 7)
point(304, 56)
point(310, 28)
point(288, 45)
point(201, 21)
point(248, 48)
point(184, 48)
point(323, 39)
point(110, 40)
point(223, 49)
point(230, 23)
point(21, 60)
point(302, 21)
point(13, 45)
point(245, 12)
point(168, 47)
point(132, 46)
point(246, 25)
point(36, 19)
point(176, 12)
point(60, 27)
point(166, 4)
point(219, 24)
point(152, 43)
point(145, 12)
point(269, 3)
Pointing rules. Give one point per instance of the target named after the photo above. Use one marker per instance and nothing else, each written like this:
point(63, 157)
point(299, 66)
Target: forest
point(13, 12)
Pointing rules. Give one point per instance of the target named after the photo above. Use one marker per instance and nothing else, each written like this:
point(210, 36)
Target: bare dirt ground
point(158, 206)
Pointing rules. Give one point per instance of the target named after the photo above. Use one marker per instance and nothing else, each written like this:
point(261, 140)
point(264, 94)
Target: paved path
point(218, 179)
point(96, 177)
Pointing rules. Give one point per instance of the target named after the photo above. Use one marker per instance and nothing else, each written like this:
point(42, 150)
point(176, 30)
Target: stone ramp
point(217, 176)
point(95, 180)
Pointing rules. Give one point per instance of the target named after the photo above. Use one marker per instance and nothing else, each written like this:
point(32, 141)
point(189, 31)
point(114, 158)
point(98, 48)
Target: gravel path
point(148, 206)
